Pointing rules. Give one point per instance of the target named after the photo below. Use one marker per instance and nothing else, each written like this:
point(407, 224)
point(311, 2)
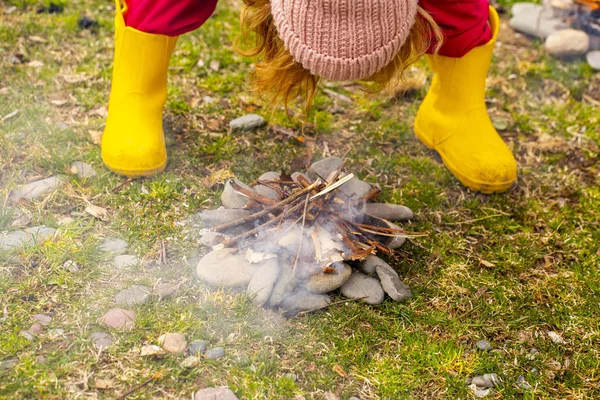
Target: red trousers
point(463, 22)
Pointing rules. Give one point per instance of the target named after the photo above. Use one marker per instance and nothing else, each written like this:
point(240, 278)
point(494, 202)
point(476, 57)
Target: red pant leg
point(168, 17)
point(464, 24)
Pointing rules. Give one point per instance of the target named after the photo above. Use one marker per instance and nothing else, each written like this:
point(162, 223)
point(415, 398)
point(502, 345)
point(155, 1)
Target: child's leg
point(463, 23)
point(168, 17)
point(146, 32)
point(453, 117)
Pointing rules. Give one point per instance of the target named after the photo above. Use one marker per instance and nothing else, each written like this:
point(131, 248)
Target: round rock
point(215, 394)
point(262, 283)
point(391, 283)
point(265, 190)
point(165, 290)
point(125, 260)
point(101, 340)
point(368, 265)
point(43, 319)
point(567, 43)
point(284, 285)
point(82, 169)
point(118, 318)
point(394, 242)
point(132, 296)
point(173, 343)
point(247, 122)
point(215, 353)
point(113, 245)
point(230, 198)
point(325, 283)
point(324, 167)
point(593, 58)
point(359, 285)
point(223, 268)
point(197, 347)
point(391, 212)
point(304, 301)
point(483, 345)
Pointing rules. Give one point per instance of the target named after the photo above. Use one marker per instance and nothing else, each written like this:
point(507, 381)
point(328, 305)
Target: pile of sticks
point(310, 205)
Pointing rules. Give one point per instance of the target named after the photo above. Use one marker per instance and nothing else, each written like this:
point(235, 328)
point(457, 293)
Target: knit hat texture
point(344, 40)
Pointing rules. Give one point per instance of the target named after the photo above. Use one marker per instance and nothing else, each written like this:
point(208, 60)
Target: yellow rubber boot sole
point(453, 120)
point(133, 142)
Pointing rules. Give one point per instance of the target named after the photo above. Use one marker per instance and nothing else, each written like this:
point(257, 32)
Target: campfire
point(289, 240)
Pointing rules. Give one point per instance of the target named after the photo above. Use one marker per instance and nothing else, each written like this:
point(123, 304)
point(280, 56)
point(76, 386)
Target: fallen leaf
point(100, 383)
point(97, 212)
point(556, 338)
point(486, 263)
point(59, 102)
point(96, 137)
point(9, 115)
point(340, 371)
point(35, 64)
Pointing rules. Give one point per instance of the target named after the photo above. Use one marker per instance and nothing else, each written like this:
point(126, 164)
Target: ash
point(291, 240)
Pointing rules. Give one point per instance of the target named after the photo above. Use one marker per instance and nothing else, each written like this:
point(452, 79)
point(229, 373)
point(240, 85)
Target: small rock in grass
point(71, 266)
point(41, 359)
point(151, 350)
point(56, 332)
point(522, 383)
point(42, 319)
point(14, 240)
point(567, 43)
point(360, 285)
point(132, 296)
point(247, 122)
point(262, 282)
point(483, 345)
point(292, 377)
point(35, 190)
point(190, 362)
point(197, 347)
point(593, 58)
point(8, 364)
point(215, 353)
point(173, 343)
point(479, 393)
point(391, 283)
point(324, 167)
point(28, 335)
point(125, 261)
point(118, 318)
point(242, 360)
point(232, 199)
point(36, 328)
point(113, 245)
point(391, 212)
point(485, 380)
point(215, 394)
point(304, 301)
point(165, 290)
point(324, 283)
point(82, 169)
point(556, 338)
point(224, 268)
point(101, 340)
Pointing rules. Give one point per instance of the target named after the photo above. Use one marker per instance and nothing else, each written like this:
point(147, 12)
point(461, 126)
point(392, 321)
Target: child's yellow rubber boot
point(133, 142)
point(453, 120)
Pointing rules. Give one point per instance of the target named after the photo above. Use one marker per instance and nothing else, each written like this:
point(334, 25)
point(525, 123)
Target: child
point(302, 41)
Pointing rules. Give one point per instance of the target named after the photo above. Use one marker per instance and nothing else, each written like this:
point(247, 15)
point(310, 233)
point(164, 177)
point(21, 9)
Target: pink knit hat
point(344, 39)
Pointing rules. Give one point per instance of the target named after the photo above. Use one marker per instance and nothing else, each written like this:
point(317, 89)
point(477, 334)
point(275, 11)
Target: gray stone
point(132, 296)
point(151, 350)
point(113, 245)
point(394, 242)
point(247, 122)
point(8, 364)
point(224, 268)
point(197, 347)
point(391, 212)
point(356, 188)
point(118, 318)
point(35, 190)
point(211, 239)
point(18, 239)
point(125, 261)
point(483, 345)
point(567, 43)
point(165, 290)
point(215, 394)
point(82, 169)
point(42, 319)
point(324, 283)
point(71, 266)
point(523, 384)
point(21, 220)
point(210, 218)
point(36, 328)
point(56, 332)
point(190, 362)
point(242, 360)
point(324, 167)
point(360, 285)
point(29, 335)
point(265, 190)
point(485, 380)
point(304, 301)
point(173, 343)
point(215, 353)
point(284, 285)
point(391, 283)
point(535, 20)
point(101, 340)
point(40, 233)
point(593, 58)
point(262, 283)
point(231, 198)
point(368, 265)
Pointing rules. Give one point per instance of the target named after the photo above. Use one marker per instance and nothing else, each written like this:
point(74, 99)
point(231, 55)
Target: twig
point(331, 304)
point(252, 195)
point(334, 186)
point(156, 375)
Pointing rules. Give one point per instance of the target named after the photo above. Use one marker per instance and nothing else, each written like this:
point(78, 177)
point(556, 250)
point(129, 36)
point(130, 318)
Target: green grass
point(507, 268)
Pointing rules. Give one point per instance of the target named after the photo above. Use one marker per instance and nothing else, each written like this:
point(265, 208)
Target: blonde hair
point(278, 78)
